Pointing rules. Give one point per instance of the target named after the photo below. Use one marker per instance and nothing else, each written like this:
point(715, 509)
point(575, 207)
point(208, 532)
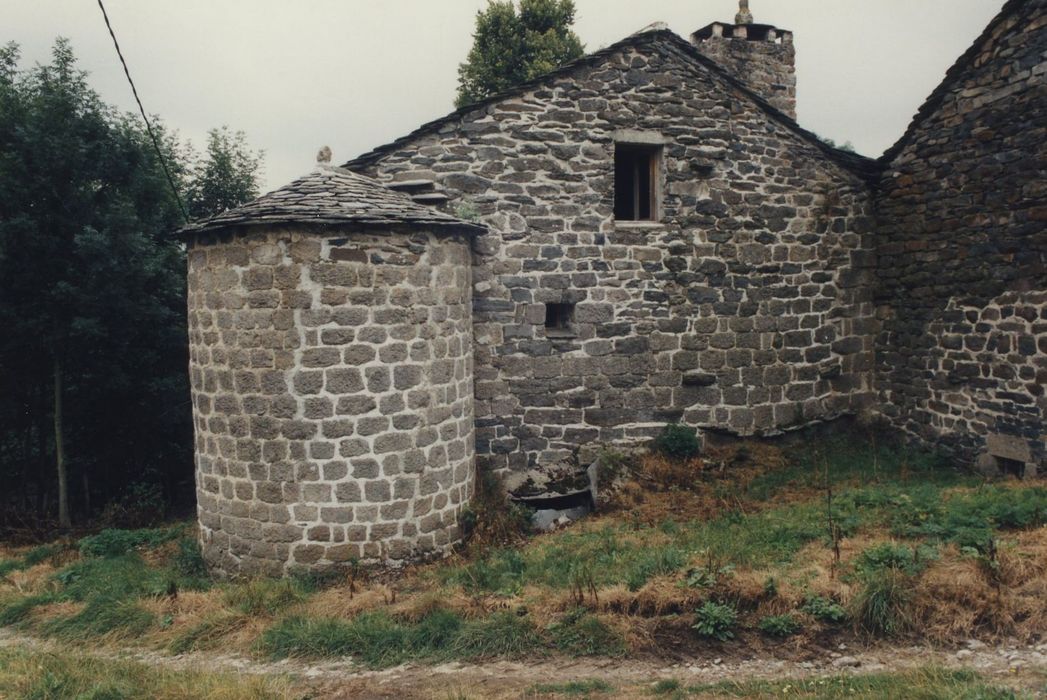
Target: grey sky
point(354, 74)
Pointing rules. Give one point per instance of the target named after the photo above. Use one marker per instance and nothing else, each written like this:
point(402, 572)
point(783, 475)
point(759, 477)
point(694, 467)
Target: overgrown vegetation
point(925, 683)
point(379, 640)
point(749, 549)
point(36, 676)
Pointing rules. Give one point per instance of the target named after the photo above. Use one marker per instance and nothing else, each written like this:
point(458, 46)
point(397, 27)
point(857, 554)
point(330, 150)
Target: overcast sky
point(353, 74)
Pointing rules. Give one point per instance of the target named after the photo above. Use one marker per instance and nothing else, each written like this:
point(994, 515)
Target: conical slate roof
point(331, 195)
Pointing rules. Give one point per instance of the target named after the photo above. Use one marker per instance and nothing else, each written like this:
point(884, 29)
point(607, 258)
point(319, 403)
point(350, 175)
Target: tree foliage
point(92, 291)
point(511, 47)
point(227, 177)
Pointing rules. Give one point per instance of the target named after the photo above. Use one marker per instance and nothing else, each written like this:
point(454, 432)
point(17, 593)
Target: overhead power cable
point(148, 125)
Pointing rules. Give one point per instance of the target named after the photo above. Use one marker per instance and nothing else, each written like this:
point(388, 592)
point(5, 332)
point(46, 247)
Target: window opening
point(636, 174)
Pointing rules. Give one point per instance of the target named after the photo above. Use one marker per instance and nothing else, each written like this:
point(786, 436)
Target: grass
point(380, 641)
point(580, 633)
point(50, 676)
point(920, 684)
point(36, 555)
point(575, 689)
point(207, 633)
point(740, 549)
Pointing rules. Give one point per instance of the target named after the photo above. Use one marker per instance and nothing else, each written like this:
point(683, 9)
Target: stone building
point(962, 254)
point(655, 240)
point(330, 340)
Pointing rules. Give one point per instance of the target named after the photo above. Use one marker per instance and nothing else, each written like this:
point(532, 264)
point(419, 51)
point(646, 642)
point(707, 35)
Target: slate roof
point(956, 72)
point(858, 164)
point(332, 196)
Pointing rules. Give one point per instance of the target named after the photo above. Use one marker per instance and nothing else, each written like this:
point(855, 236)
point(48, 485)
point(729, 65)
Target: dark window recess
point(558, 318)
point(636, 182)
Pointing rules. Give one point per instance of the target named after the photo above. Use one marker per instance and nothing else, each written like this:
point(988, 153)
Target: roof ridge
point(937, 96)
point(859, 164)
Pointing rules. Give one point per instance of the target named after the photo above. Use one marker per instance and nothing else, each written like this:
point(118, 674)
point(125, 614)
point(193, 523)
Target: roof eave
point(325, 223)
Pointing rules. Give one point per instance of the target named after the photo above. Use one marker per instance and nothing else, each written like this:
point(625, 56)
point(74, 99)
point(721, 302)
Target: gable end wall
point(748, 310)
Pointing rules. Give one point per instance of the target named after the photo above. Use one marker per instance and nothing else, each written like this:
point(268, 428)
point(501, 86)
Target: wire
point(148, 126)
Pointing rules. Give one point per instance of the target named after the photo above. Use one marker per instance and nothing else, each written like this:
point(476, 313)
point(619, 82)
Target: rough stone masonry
point(653, 238)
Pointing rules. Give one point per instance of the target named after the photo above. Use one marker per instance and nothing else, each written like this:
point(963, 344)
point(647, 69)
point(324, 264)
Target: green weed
point(779, 625)
point(892, 556)
point(824, 609)
point(715, 620)
point(678, 441)
point(971, 519)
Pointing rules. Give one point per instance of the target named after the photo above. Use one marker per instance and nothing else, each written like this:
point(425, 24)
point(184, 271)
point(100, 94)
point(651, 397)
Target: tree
point(511, 47)
point(227, 177)
point(93, 360)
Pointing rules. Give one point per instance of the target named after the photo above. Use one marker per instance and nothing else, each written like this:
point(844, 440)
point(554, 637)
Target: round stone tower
point(330, 333)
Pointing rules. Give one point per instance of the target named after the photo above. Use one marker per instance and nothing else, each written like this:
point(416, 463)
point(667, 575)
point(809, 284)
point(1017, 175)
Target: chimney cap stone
point(743, 16)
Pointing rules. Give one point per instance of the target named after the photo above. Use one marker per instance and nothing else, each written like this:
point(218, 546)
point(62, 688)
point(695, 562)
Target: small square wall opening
point(1011, 467)
point(559, 319)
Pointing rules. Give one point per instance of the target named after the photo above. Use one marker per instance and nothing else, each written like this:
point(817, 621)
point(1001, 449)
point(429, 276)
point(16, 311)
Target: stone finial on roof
point(743, 16)
point(324, 156)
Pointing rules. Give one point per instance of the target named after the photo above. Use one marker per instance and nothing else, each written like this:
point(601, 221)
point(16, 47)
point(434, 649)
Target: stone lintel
point(1008, 447)
point(639, 136)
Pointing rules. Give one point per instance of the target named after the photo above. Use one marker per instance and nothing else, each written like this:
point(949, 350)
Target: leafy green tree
point(226, 177)
point(511, 47)
point(94, 392)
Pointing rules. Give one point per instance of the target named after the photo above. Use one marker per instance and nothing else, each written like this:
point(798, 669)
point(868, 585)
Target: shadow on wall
point(988, 377)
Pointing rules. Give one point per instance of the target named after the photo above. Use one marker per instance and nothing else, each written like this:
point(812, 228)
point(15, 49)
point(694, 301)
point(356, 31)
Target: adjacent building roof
point(331, 196)
point(860, 165)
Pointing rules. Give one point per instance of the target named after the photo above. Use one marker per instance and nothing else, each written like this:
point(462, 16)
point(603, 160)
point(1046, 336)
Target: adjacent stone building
point(962, 254)
point(654, 239)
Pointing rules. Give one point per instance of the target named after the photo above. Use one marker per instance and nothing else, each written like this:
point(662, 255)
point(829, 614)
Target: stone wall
point(745, 308)
point(962, 255)
point(333, 396)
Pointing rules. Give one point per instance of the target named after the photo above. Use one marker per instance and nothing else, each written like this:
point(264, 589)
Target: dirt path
point(1011, 665)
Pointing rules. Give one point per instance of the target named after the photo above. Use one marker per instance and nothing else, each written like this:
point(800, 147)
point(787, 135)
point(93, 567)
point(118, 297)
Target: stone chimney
point(760, 55)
